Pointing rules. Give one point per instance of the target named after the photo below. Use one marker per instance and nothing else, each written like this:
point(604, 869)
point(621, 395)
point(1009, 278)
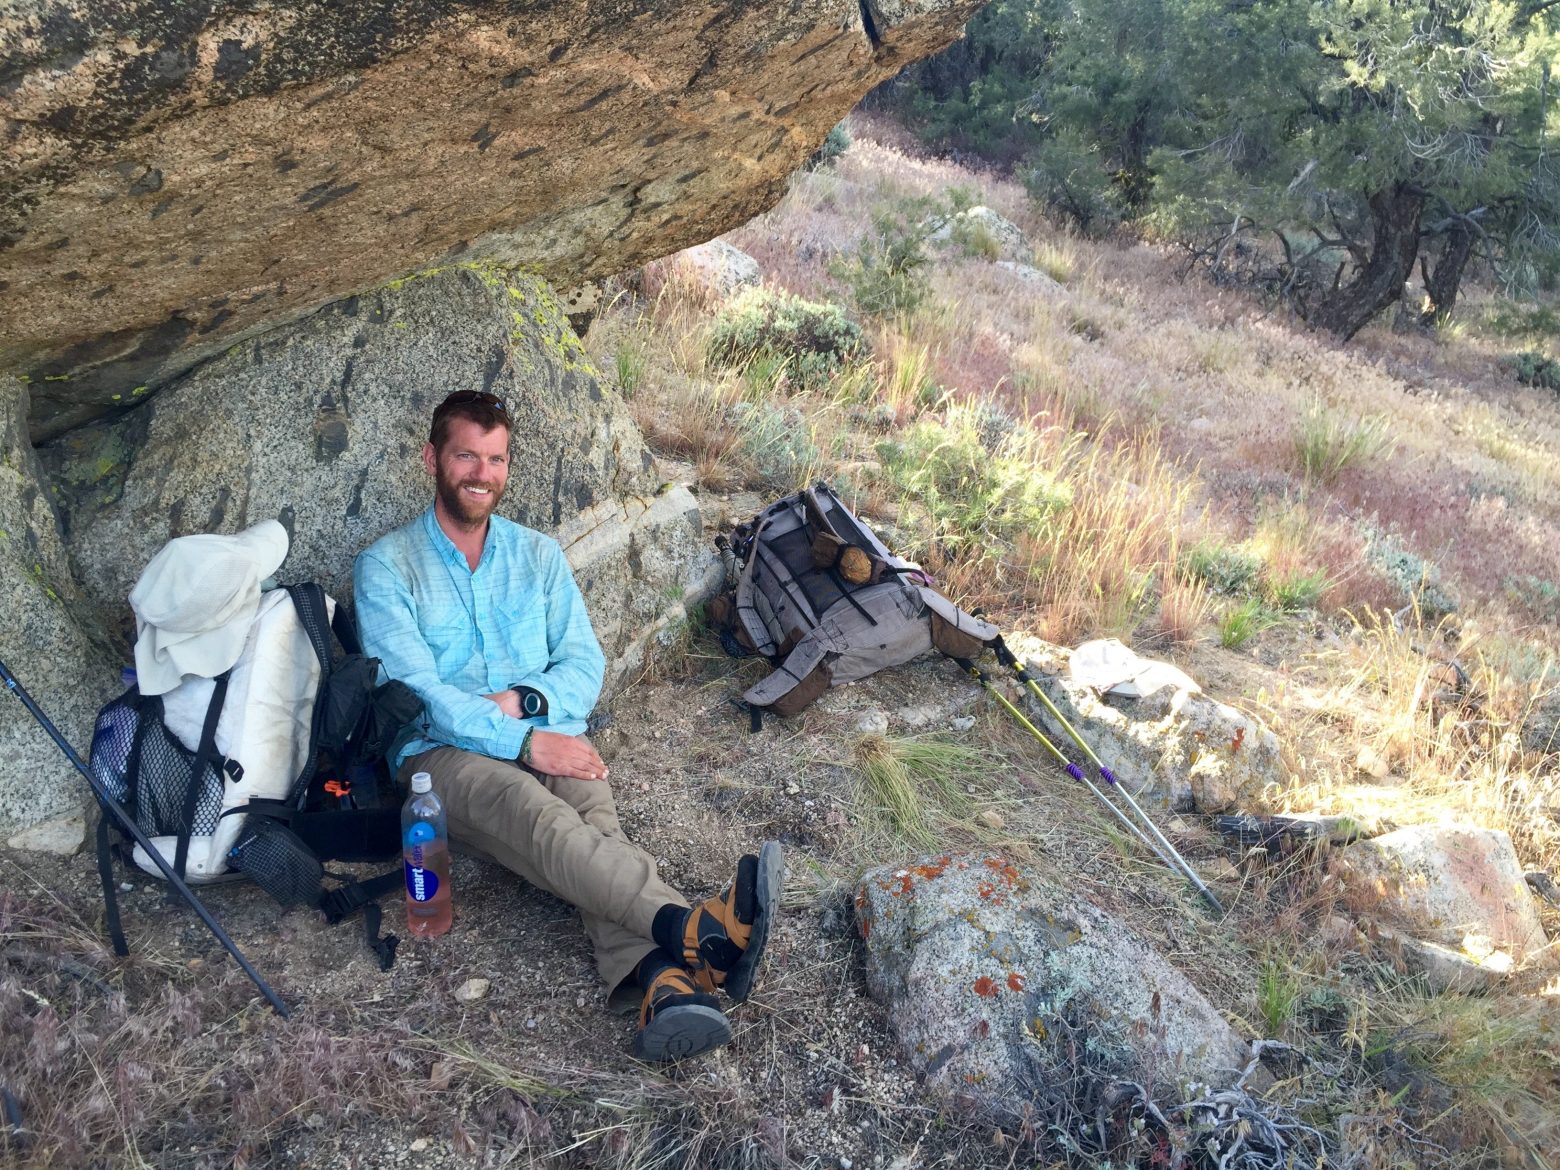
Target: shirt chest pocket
point(453, 643)
point(522, 627)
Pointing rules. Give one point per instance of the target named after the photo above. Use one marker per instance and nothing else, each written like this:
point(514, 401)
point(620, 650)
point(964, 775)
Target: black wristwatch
point(532, 701)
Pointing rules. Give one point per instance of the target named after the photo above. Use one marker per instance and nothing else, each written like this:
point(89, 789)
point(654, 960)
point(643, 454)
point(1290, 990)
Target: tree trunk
point(1395, 212)
point(1441, 284)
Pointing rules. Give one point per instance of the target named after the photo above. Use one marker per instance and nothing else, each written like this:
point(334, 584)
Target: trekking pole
point(127, 823)
point(1009, 659)
point(1068, 766)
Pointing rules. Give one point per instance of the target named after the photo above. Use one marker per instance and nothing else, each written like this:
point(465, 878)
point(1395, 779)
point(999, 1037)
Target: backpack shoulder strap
point(308, 599)
point(206, 755)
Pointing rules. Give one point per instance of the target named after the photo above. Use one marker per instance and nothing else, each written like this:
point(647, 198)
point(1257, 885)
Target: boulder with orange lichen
point(1004, 990)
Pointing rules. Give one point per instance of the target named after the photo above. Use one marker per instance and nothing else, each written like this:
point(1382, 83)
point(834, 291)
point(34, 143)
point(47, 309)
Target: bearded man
point(483, 619)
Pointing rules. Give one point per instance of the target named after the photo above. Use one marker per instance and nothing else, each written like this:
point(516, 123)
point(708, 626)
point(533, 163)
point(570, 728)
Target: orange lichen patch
point(1240, 736)
point(987, 986)
point(897, 884)
point(985, 889)
point(866, 926)
point(1015, 981)
point(1005, 870)
point(933, 869)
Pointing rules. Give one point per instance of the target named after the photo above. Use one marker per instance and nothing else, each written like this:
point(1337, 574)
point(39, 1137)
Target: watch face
point(531, 702)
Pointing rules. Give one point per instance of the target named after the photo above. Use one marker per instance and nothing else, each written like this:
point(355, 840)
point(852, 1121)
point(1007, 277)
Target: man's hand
point(508, 702)
point(565, 755)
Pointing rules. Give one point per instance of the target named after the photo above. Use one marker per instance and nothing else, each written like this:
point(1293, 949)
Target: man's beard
point(462, 508)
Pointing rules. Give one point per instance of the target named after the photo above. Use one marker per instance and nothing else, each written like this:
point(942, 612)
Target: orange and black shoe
point(724, 938)
point(678, 1018)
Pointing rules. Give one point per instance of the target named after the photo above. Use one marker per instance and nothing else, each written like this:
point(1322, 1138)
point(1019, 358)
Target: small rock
point(1372, 763)
point(439, 1076)
point(873, 721)
point(1177, 825)
point(991, 819)
point(314, 1121)
point(970, 788)
point(126, 888)
point(792, 789)
point(472, 990)
point(962, 722)
point(63, 836)
point(418, 1145)
point(1338, 930)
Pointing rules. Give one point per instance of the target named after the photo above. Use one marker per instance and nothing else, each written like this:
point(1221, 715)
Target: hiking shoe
point(678, 1019)
point(724, 939)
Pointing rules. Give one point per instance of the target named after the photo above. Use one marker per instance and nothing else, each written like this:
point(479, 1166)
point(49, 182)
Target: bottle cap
point(422, 782)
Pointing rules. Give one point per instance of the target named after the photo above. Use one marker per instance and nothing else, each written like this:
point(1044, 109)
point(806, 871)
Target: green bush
point(972, 484)
point(1532, 368)
point(1226, 568)
point(1240, 623)
point(814, 341)
point(776, 444)
point(834, 144)
point(1296, 590)
point(1418, 579)
point(885, 273)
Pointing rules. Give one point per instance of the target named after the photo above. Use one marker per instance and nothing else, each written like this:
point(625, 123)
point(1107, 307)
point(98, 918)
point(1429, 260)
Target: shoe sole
point(680, 1031)
point(771, 878)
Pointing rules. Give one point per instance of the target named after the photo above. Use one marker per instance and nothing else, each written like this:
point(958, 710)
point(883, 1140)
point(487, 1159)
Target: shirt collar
point(445, 547)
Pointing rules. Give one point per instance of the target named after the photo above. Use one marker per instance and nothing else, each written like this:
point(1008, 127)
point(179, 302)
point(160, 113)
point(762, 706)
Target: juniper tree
point(1361, 137)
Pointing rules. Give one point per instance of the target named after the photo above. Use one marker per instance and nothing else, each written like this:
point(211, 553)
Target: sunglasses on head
point(461, 397)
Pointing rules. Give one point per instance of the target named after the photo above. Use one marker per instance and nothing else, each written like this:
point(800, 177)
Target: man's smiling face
point(469, 471)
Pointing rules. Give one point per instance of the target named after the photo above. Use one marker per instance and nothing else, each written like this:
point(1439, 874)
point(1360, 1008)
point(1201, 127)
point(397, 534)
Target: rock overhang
point(175, 178)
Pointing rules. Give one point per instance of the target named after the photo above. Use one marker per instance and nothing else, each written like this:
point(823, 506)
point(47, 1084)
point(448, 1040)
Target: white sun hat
point(195, 600)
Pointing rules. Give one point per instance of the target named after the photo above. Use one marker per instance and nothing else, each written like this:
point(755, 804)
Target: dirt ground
point(811, 1079)
point(396, 1069)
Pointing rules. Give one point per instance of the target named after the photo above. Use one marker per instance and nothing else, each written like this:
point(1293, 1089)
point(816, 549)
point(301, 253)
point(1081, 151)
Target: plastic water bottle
point(425, 849)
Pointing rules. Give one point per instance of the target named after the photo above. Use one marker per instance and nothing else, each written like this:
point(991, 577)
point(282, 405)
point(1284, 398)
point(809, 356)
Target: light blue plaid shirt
point(453, 634)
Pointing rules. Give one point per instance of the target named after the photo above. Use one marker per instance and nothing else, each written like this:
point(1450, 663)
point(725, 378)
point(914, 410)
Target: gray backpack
point(820, 596)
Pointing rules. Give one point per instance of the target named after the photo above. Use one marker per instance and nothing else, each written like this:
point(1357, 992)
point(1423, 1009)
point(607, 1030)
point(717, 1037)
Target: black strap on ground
point(346, 900)
point(105, 862)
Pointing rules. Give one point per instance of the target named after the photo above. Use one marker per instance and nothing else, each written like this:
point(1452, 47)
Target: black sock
point(650, 967)
point(667, 928)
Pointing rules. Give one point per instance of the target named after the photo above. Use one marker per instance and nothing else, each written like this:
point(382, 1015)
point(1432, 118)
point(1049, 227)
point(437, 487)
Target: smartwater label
point(421, 884)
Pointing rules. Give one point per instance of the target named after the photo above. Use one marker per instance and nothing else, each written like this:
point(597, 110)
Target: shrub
point(776, 444)
point(885, 273)
point(1226, 568)
point(814, 340)
point(835, 143)
point(1066, 178)
point(1416, 579)
point(967, 473)
point(1532, 368)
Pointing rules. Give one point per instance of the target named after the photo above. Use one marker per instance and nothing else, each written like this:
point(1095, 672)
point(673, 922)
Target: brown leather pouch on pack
point(804, 693)
point(952, 641)
point(722, 611)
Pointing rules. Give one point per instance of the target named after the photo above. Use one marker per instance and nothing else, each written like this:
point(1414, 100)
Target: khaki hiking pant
point(561, 835)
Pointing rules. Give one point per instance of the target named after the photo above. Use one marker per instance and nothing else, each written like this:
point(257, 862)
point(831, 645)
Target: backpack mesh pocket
point(143, 765)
